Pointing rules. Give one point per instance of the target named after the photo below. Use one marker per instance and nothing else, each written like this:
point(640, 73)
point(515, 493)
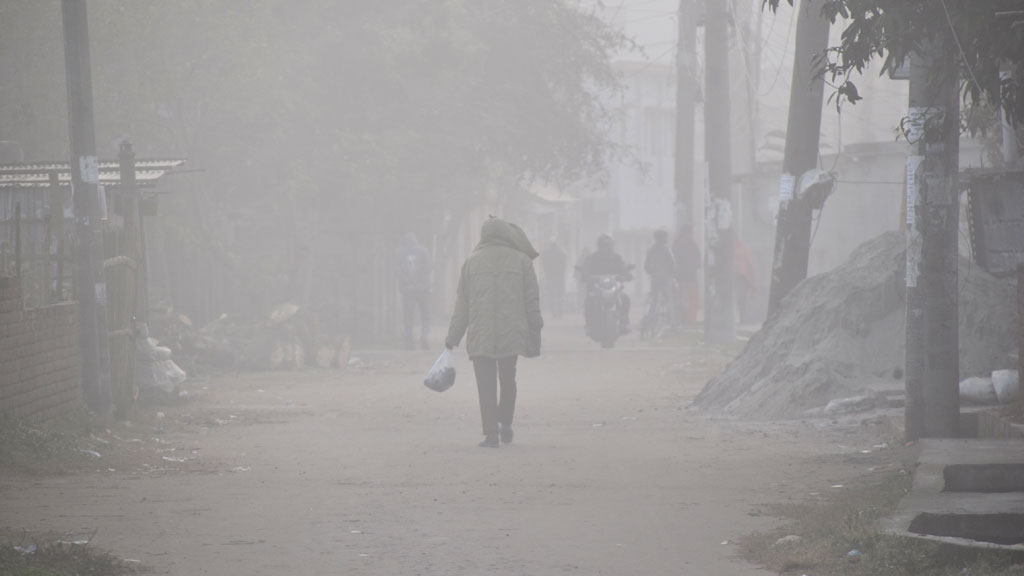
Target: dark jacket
point(605, 264)
point(659, 263)
point(414, 268)
point(498, 299)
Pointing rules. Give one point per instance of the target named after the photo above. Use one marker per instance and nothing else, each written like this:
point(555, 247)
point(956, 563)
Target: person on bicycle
point(661, 267)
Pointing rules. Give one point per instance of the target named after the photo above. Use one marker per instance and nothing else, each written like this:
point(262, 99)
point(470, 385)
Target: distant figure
point(553, 262)
point(498, 304)
point(687, 257)
point(414, 280)
point(661, 267)
point(607, 262)
point(746, 279)
point(580, 277)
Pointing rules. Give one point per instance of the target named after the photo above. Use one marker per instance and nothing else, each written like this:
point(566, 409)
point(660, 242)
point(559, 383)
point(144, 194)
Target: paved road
point(367, 472)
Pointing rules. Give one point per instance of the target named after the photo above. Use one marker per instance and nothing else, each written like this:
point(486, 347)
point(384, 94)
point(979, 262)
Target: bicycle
point(660, 314)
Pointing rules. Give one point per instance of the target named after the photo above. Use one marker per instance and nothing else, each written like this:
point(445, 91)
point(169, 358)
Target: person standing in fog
point(498, 304)
point(553, 261)
point(414, 279)
point(687, 256)
point(661, 266)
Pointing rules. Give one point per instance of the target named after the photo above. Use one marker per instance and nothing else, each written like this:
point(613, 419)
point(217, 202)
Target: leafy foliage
point(981, 36)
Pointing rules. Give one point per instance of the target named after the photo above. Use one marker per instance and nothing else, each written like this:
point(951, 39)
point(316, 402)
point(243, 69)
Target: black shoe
point(490, 441)
point(507, 435)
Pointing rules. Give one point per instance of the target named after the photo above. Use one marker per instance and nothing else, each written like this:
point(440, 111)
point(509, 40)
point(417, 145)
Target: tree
point(985, 36)
point(325, 126)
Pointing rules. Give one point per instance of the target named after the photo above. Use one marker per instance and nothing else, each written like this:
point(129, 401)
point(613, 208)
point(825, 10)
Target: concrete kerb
point(930, 512)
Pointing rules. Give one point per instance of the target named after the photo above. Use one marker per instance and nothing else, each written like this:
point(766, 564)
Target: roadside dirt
point(368, 472)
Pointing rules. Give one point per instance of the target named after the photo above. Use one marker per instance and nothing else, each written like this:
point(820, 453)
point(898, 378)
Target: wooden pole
point(121, 278)
point(1020, 319)
point(17, 243)
point(793, 229)
point(686, 92)
point(57, 215)
point(719, 318)
point(90, 287)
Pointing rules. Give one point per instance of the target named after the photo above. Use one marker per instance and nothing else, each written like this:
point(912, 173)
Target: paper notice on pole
point(90, 169)
point(723, 213)
point(913, 257)
point(101, 293)
point(786, 185)
point(101, 199)
point(913, 163)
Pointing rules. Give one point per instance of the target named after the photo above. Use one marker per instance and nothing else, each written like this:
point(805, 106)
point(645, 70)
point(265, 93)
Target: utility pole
point(793, 229)
point(1010, 153)
point(90, 285)
point(719, 320)
point(933, 211)
point(686, 91)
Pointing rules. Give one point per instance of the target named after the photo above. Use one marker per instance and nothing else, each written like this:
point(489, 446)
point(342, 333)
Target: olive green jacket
point(498, 300)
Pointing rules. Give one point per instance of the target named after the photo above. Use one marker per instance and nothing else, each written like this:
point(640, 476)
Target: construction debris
point(842, 334)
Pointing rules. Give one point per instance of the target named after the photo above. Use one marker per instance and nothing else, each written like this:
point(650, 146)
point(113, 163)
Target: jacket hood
point(497, 232)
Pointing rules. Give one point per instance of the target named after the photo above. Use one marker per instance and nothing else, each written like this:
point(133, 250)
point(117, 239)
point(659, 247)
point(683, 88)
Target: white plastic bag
point(1007, 385)
point(442, 375)
point(978, 390)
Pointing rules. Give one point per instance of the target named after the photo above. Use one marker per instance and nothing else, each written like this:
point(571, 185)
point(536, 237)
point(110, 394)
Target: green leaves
point(982, 36)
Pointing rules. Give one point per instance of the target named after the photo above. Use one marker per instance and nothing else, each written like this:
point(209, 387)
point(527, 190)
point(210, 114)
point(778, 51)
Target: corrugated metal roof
point(37, 175)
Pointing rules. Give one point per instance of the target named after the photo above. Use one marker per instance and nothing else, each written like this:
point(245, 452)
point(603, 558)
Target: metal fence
point(35, 242)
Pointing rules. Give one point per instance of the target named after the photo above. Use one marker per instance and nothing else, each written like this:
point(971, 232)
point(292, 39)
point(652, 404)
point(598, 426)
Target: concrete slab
point(991, 515)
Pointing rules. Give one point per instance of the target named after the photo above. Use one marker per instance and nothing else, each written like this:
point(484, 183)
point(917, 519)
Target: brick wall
point(39, 370)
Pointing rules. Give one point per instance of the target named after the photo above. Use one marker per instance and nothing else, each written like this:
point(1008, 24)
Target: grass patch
point(828, 532)
point(59, 559)
point(26, 448)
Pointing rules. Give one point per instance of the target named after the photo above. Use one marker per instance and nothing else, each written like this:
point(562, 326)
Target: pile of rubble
point(284, 339)
point(842, 335)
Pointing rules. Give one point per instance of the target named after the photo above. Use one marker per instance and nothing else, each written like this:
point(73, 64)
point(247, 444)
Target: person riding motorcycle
point(606, 262)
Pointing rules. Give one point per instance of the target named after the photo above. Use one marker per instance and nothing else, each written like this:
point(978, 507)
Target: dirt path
point(367, 472)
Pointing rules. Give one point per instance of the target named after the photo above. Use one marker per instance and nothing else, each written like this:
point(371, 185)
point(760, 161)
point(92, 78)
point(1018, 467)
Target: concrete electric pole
point(933, 214)
point(719, 316)
point(793, 228)
point(686, 92)
point(90, 285)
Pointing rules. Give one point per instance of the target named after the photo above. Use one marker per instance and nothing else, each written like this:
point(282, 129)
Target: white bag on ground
point(978, 390)
point(1007, 385)
point(442, 374)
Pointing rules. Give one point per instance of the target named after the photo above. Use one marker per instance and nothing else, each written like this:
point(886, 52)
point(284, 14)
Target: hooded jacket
point(498, 299)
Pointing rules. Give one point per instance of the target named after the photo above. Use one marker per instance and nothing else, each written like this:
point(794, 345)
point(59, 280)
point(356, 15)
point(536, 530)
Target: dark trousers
point(411, 300)
point(492, 410)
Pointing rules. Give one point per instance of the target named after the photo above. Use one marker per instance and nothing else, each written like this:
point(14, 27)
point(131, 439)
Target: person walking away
point(687, 257)
point(414, 281)
point(607, 262)
point(497, 308)
point(553, 262)
point(661, 267)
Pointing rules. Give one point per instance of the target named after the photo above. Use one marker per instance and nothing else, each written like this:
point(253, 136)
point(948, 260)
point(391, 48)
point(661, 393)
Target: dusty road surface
point(368, 472)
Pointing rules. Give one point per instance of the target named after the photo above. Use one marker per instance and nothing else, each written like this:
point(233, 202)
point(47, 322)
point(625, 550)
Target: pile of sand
point(842, 333)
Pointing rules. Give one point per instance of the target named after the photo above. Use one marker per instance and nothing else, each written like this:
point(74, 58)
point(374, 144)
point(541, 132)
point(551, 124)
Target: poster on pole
point(786, 185)
point(913, 163)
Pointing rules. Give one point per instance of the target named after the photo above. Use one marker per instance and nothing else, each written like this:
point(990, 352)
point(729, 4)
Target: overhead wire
point(782, 58)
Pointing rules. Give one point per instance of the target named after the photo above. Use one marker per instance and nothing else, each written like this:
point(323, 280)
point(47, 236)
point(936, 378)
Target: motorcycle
point(604, 305)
